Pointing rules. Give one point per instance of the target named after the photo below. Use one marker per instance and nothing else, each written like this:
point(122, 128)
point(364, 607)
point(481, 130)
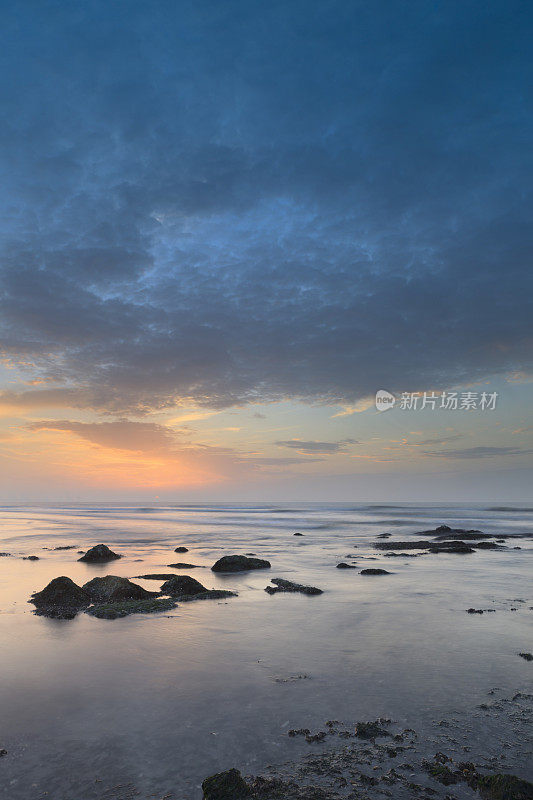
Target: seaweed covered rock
point(504, 787)
point(229, 785)
point(61, 598)
point(181, 550)
point(281, 585)
point(99, 554)
point(126, 607)
point(239, 564)
point(371, 730)
point(344, 565)
point(112, 588)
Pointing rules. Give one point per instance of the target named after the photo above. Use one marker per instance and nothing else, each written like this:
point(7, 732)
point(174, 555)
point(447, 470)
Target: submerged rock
point(453, 546)
point(111, 589)
point(229, 785)
point(344, 565)
point(181, 550)
point(374, 571)
point(182, 565)
point(297, 534)
point(30, 558)
point(371, 730)
point(445, 532)
point(127, 607)
point(239, 564)
point(504, 787)
point(281, 585)
point(99, 553)
point(526, 656)
point(61, 598)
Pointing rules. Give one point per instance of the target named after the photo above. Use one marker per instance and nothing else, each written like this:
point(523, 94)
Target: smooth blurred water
point(163, 700)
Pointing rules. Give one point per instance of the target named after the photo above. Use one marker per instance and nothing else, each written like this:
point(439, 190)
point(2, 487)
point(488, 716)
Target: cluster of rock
point(282, 585)
point(445, 540)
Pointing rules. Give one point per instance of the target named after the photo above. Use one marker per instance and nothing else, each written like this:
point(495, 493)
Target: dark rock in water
point(66, 547)
point(487, 546)
point(281, 585)
point(344, 565)
point(503, 787)
point(239, 564)
point(297, 534)
point(373, 571)
point(4, 555)
point(445, 532)
point(62, 598)
point(112, 589)
point(229, 785)
point(156, 576)
point(183, 565)
point(3, 752)
point(384, 536)
point(127, 607)
point(182, 585)
point(526, 656)
point(453, 546)
point(370, 730)
point(99, 553)
point(404, 555)
point(181, 550)
point(30, 558)
point(474, 611)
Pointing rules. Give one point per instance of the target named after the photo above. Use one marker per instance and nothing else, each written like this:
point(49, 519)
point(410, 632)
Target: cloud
point(312, 447)
point(199, 206)
point(122, 434)
point(478, 452)
point(439, 440)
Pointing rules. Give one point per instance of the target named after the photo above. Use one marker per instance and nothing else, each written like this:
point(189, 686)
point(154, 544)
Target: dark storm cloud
point(240, 202)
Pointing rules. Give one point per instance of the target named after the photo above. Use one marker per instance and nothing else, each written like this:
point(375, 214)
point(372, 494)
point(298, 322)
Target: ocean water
point(162, 700)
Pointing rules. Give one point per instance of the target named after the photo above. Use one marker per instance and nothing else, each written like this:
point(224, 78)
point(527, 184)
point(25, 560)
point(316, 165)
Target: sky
point(225, 226)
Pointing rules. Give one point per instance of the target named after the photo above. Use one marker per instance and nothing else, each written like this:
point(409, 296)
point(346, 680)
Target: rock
point(156, 576)
point(487, 546)
point(297, 534)
point(373, 571)
point(181, 550)
point(384, 536)
point(61, 598)
point(474, 611)
point(239, 564)
point(229, 785)
point(451, 546)
point(344, 565)
point(445, 532)
point(4, 555)
point(126, 607)
point(98, 554)
point(30, 558)
point(112, 589)
point(182, 565)
point(504, 787)
point(526, 656)
point(66, 547)
point(182, 585)
point(281, 585)
point(3, 752)
point(370, 730)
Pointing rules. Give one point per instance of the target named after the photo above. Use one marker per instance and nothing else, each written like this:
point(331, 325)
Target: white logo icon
point(384, 400)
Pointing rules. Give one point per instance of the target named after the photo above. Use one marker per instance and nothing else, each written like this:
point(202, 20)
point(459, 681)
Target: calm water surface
point(164, 700)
